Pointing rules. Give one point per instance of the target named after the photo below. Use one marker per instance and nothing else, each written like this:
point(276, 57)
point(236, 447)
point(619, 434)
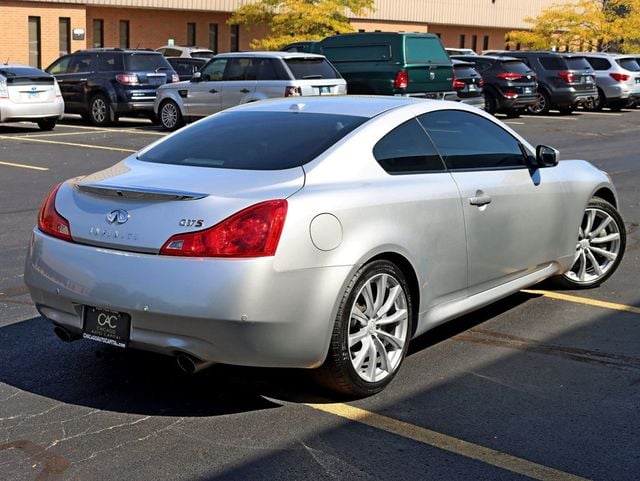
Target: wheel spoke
point(367, 294)
point(362, 354)
point(385, 365)
point(603, 225)
point(582, 272)
point(396, 342)
point(604, 239)
point(398, 316)
point(594, 263)
point(358, 336)
point(381, 290)
point(609, 255)
point(373, 360)
point(393, 295)
point(359, 316)
point(591, 215)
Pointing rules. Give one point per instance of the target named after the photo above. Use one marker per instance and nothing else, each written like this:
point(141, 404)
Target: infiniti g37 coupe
point(316, 233)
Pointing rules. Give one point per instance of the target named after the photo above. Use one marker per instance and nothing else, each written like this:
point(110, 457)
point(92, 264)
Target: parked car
point(324, 232)
point(29, 94)
point(467, 84)
point(563, 83)
point(104, 83)
point(617, 79)
point(386, 63)
point(305, 47)
point(185, 67)
point(460, 51)
point(185, 52)
point(509, 84)
point(231, 79)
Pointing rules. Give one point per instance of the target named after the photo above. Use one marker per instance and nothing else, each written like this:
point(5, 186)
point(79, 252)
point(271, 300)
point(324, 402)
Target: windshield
point(275, 140)
point(311, 68)
point(425, 50)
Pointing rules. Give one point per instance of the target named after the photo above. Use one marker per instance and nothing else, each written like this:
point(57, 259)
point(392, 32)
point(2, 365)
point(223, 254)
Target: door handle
point(480, 199)
point(83, 80)
point(245, 91)
point(213, 91)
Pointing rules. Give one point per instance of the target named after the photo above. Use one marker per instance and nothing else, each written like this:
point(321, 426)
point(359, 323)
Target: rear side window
point(264, 69)
point(469, 142)
point(628, 64)
point(202, 54)
point(553, 63)
point(110, 62)
point(425, 50)
point(146, 62)
point(275, 140)
point(482, 65)
point(599, 63)
point(358, 53)
point(578, 63)
point(81, 63)
point(239, 69)
point(515, 66)
point(407, 150)
point(311, 68)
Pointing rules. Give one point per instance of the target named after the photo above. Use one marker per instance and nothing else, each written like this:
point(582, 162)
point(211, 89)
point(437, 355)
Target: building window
point(191, 34)
point(124, 33)
point(98, 33)
point(485, 42)
point(474, 42)
point(518, 46)
point(361, 30)
point(235, 38)
point(213, 37)
point(64, 35)
point(34, 42)
point(461, 41)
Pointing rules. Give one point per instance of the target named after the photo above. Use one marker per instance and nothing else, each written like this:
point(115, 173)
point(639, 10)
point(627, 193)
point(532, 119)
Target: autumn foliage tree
point(296, 20)
point(584, 25)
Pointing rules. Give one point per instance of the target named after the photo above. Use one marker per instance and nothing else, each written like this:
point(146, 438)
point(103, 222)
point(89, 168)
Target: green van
point(387, 63)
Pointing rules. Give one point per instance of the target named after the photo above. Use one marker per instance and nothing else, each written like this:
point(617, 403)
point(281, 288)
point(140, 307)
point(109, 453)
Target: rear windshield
point(578, 63)
point(425, 50)
point(553, 63)
point(276, 140)
point(150, 62)
point(463, 71)
point(202, 54)
point(310, 68)
point(515, 66)
point(629, 64)
point(22, 72)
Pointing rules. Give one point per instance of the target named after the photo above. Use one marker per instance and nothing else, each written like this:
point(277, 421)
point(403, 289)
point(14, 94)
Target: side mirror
point(196, 77)
point(547, 156)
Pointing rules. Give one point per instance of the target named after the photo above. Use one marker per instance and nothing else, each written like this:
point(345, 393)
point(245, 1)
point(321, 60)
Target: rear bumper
point(231, 311)
point(567, 98)
point(519, 102)
point(13, 112)
point(475, 101)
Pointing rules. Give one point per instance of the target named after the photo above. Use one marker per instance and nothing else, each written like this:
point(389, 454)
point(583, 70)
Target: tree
point(296, 20)
point(583, 25)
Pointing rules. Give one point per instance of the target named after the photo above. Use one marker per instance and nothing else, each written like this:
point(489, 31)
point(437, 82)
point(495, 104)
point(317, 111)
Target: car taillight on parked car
point(402, 80)
point(292, 91)
point(509, 76)
point(57, 88)
point(568, 77)
point(619, 77)
point(50, 221)
point(128, 79)
point(457, 84)
point(252, 232)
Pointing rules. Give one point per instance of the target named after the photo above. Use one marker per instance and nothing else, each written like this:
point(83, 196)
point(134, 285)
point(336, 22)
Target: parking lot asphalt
point(543, 385)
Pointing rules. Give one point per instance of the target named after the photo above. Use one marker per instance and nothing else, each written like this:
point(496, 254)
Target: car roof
point(271, 54)
point(606, 54)
point(18, 65)
point(457, 62)
point(470, 58)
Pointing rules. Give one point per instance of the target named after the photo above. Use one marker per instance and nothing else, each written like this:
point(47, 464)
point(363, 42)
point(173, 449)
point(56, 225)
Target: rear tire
point(47, 124)
point(490, 103)
point(542, 105)
point(101, 112)
point(600, 247)
point(596, 104)
point(371, 332)
point(170, 116)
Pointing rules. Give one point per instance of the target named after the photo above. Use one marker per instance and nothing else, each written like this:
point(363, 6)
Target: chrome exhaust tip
point(190, 364)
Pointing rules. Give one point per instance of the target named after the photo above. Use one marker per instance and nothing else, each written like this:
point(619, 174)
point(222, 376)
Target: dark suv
point(509, 84)
point(563, 83)
point(102, 84)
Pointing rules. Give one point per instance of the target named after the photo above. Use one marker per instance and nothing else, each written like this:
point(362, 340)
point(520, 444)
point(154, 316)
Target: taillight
point(619, 77)
point(510, 95)
point(292, 91)
point(57, 88)
point(457, 84)
point(252, 232)
point(402, 80)
point(127, 79)
point(50, 221)
point(175, 78)
point(480, 82)
point(509, 76)
point(568, 77)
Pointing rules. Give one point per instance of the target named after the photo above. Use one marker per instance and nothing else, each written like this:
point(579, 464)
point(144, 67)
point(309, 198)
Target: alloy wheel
point(169, 115)
point(99, 110)
point(540, 105)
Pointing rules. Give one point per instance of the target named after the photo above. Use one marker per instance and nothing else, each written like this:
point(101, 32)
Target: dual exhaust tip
point(187, 363)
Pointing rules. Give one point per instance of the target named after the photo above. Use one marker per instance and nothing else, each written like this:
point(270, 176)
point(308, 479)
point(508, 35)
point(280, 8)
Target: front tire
point(601, 243)
point(47, 124)
point(371, 331)
point(170, 116)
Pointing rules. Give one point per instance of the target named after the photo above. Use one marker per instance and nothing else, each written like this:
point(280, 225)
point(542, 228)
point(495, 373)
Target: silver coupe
point(320, 232)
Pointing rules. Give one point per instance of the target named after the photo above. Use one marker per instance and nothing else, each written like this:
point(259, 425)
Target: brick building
point(39, 31)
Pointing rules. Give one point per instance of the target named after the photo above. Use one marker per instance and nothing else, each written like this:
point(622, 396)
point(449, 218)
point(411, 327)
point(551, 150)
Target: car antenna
point(137, 46)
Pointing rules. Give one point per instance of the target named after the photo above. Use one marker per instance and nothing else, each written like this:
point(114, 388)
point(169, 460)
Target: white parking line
point(606, 114)
point(554, 117)
point(511, 122)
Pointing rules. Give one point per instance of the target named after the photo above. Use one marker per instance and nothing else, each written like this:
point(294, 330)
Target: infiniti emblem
point(117, 216)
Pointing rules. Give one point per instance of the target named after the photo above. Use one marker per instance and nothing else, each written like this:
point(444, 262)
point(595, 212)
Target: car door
point(73, 83)
point(204, 94)
point(59, 70)
point(239, 81)
point(513, 215)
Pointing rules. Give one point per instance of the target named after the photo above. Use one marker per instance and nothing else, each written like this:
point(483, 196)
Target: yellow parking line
point(447, 443)
point(72, 144)
point(105, 129)
point(59, 134)
point(583, 300)
point(23, 166)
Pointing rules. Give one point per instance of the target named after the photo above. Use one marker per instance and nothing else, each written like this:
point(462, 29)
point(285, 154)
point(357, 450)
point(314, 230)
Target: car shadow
point(89, 374)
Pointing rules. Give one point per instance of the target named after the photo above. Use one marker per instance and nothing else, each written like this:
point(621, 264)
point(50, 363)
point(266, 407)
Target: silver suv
point(617, 78)
point(231, 79)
